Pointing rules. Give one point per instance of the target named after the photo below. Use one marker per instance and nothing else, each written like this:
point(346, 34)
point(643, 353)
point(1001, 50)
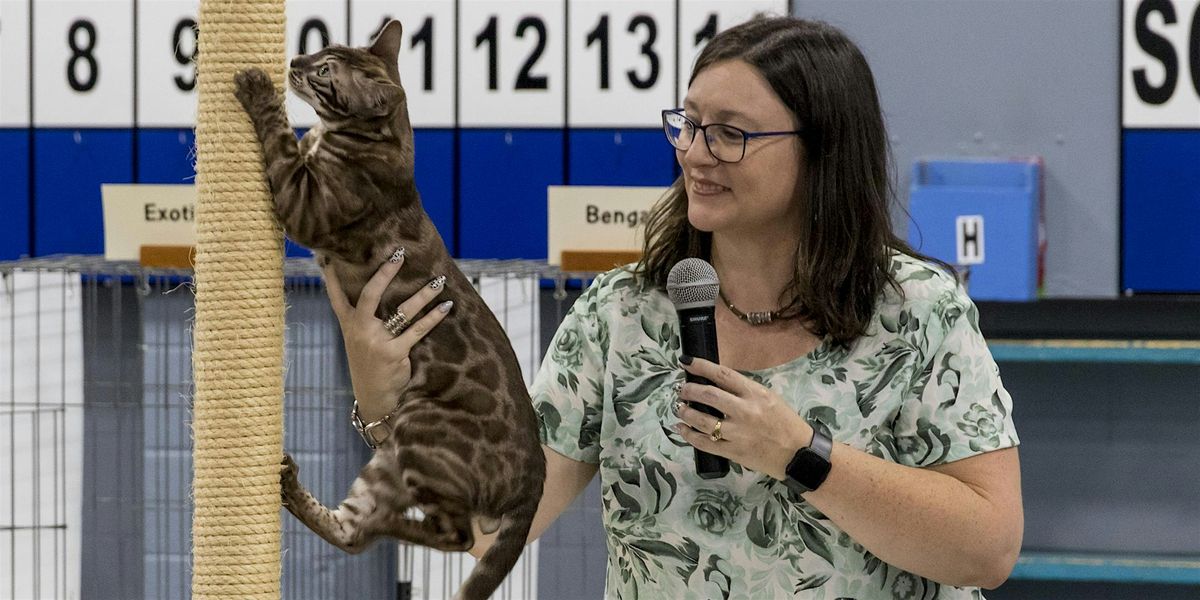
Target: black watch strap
point(810, 465)
point(821, 443)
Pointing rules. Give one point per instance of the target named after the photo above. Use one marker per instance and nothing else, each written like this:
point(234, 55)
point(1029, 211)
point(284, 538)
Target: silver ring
point(397, 323)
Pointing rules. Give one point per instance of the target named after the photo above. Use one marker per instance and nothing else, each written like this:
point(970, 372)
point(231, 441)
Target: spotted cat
point(465, 443)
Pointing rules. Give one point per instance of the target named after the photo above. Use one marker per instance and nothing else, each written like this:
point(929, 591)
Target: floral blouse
point(920, 389)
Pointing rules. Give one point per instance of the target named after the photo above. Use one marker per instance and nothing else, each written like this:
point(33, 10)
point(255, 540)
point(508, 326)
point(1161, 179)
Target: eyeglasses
point(725, 142)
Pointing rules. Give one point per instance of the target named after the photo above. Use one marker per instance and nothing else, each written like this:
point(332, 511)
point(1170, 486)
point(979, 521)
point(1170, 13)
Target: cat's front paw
point(253, 87)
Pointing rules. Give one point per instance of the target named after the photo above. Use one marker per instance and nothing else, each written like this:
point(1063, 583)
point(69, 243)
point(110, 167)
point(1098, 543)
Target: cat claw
point(288, 472)
point(288, 467)
point(253, 85)
point(287, 478)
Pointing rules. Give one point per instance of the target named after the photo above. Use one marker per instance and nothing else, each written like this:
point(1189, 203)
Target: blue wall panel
point(435, 178)
point(14, 193)
point(620, 157)
point(291, 248)
point(166, 156)
point(504, 176)
point(70, 165)
point(1161, 211)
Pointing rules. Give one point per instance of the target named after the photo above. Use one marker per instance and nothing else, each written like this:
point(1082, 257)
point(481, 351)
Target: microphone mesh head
point(692, 283)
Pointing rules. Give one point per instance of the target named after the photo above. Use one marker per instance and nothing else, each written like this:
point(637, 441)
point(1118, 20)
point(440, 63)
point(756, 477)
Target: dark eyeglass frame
point(746, 135)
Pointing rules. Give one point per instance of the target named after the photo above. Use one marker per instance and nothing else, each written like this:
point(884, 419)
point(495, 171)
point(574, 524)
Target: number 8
point(84, 53)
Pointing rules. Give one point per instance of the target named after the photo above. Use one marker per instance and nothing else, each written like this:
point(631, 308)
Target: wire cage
point(95, 403)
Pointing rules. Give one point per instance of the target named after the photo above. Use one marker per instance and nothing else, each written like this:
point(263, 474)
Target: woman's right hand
point(380, 368)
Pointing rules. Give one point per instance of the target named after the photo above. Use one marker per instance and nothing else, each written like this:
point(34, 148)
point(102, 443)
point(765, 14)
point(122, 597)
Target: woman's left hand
point(759, 431)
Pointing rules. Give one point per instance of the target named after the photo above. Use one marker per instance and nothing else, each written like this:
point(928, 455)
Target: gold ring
point(397, 323)
point(716, 434)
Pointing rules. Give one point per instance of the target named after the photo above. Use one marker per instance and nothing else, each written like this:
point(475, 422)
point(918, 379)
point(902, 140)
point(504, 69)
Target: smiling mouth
point(708, 189)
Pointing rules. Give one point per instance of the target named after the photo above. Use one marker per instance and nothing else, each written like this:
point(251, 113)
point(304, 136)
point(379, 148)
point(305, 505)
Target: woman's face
point(758, 192)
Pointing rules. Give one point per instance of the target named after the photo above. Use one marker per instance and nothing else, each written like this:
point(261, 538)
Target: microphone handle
point(708, 466)
point(698, 338)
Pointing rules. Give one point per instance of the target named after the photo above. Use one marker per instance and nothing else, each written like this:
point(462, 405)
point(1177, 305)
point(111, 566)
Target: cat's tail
point(500, 558)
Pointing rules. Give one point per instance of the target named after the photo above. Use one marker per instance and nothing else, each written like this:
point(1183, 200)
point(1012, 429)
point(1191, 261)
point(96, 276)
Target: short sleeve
point(568, 390)
point(957, 406)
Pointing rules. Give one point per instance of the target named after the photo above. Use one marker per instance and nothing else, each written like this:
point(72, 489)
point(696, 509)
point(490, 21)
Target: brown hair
point(846, 239)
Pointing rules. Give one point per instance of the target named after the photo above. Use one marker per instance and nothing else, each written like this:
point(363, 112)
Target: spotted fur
point(465, 443)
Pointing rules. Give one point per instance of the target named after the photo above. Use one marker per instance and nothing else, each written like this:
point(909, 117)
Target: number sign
point(511, 61)
point(167, 54)
point(701, 20)
point(14, 63)
point(622, 70)
point(83, 63)
point(311, 26)
point(426, 57)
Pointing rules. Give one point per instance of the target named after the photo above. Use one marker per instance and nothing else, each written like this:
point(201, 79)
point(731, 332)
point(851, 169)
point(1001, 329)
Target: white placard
point(969, 241)
point(511, 63)
point(600, 218)
point(154, 215)
point(83, 63)
point(622, 62)
point(310, 23)
point(14, 63)
point(700, 20)
point(1160, 75)
point(167, 46)
point(426, 56)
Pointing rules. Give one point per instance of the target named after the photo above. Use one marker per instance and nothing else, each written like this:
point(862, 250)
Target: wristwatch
point(374, 433)
point(810, 465)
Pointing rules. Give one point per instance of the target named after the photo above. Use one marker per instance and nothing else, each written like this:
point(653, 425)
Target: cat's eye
point(324, 71)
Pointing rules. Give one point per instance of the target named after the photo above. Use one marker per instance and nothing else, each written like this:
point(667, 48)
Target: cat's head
point(352, 84)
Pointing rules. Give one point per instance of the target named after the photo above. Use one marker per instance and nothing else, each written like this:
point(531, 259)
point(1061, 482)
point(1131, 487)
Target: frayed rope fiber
point(237, 352)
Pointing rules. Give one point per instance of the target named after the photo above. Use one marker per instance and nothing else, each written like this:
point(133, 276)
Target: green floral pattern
point(919, 389)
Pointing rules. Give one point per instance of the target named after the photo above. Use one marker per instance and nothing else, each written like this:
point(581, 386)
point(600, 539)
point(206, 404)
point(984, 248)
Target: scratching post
point(238, 336)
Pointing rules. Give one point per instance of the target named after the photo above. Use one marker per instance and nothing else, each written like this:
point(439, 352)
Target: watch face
point(807, 469)
point(378, 432)
point(808, 461)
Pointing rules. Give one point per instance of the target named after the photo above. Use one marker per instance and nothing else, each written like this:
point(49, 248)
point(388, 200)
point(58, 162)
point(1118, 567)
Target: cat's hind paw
point(287, 468)
point(253, 87)
point(288, 478)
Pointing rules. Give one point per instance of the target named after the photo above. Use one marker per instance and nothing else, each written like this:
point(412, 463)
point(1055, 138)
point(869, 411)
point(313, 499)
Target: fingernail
point(445, 306)
point(398, 255)
point(437, 282)
point(685, 359)
point(676, 406)
point(677, 387)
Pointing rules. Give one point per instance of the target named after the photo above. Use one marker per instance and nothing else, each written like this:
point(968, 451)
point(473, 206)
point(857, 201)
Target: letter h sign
point(969, 233)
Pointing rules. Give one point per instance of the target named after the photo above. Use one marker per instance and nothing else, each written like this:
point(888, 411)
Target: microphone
point(692, 287)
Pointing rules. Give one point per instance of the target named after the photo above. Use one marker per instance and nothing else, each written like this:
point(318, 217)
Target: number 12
point(525, 80)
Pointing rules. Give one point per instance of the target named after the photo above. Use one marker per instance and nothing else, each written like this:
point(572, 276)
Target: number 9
point(189, 58)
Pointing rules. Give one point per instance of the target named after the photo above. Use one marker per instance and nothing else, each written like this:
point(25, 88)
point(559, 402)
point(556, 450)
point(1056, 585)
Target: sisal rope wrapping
point(238, 335)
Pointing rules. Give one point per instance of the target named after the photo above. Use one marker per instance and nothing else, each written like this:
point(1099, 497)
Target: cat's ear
point(387, 43)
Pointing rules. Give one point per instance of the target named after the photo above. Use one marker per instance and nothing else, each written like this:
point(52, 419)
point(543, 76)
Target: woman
point(872, 443)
